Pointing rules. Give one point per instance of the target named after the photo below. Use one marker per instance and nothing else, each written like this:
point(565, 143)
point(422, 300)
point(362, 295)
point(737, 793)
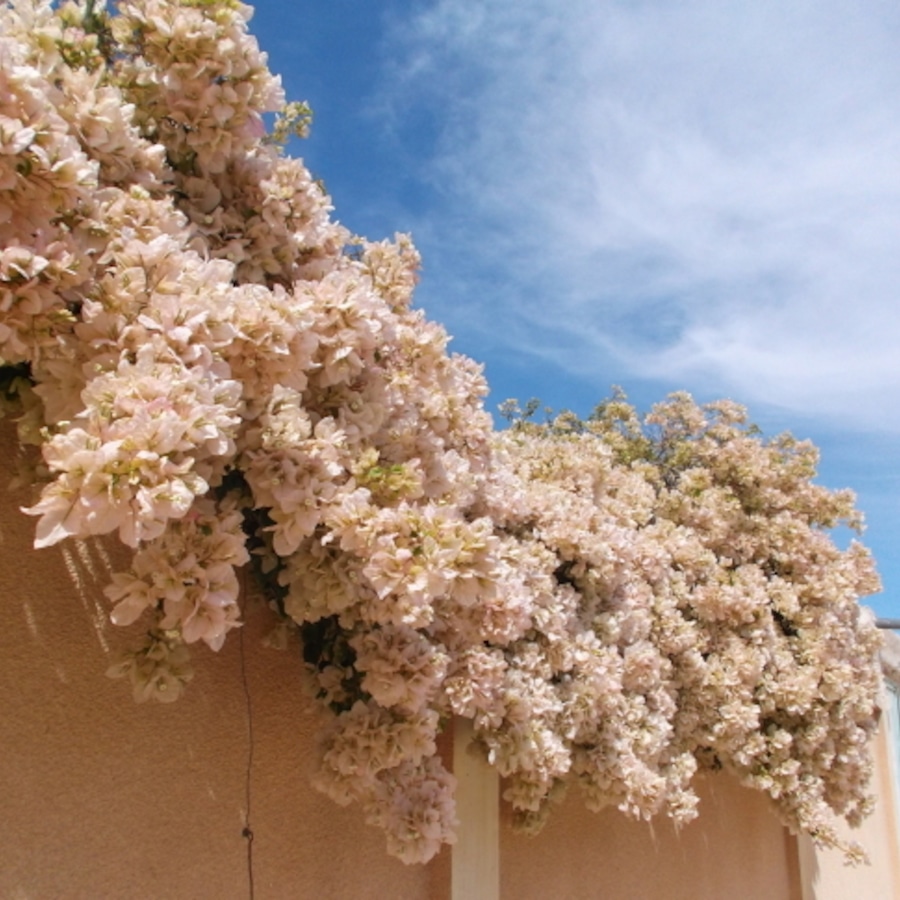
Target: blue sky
point(699, 196)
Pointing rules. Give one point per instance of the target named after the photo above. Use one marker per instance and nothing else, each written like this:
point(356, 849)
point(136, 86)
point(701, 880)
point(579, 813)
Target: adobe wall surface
point(735, 849)
point(825, 875)
point(102, 798)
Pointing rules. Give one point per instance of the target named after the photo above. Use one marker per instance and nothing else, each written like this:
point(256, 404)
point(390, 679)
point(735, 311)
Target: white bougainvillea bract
point(218, 373)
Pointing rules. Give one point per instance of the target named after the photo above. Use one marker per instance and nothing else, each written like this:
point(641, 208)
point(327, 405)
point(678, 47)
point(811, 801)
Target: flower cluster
point(716, 623)
point(219, 373)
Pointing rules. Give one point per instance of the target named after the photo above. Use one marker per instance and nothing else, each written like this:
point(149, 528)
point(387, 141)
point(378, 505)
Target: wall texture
point(735, 849)
point(825, 877)
point(101, 798)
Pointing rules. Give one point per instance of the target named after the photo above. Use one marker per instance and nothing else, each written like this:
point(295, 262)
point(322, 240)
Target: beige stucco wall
point(101, 798)
point(825, 876)
point(735, 850)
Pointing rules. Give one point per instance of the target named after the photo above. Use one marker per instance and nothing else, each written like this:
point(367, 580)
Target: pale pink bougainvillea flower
point(215, 370)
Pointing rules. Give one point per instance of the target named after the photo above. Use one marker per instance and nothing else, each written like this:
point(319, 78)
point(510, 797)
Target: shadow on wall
point(104, 798)
point(76, 570)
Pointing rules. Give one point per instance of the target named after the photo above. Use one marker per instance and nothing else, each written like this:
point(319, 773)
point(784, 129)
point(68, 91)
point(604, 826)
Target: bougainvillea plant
point(217, 372)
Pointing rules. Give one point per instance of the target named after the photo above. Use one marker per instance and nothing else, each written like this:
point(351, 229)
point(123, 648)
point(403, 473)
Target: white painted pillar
point(476, 854)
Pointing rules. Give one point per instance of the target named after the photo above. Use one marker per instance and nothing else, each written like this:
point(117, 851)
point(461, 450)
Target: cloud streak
point(705, 193)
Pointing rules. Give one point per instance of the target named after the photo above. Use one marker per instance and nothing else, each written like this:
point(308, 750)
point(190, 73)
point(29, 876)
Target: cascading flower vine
point(716, 622)
point(219, 373)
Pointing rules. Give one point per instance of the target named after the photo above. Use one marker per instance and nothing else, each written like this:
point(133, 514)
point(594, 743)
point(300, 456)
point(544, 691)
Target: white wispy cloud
point(706, 192)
